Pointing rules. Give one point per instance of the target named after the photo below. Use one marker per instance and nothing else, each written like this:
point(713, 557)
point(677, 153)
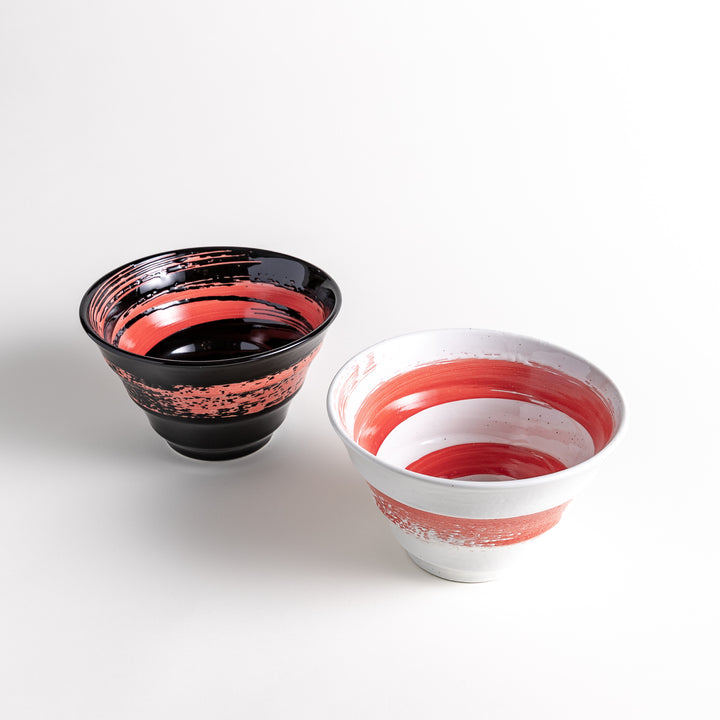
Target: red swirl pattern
point(218, 401)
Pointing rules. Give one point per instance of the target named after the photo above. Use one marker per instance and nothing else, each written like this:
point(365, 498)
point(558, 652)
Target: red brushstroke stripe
point(128, 278)
point(512, 461)
point(466, 532)
point(218, 401)
point(450, 380)
point(148, 331)
point(309, 309)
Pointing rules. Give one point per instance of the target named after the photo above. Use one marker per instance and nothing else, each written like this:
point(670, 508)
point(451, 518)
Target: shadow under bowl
point(473, 442)
point(212, 342)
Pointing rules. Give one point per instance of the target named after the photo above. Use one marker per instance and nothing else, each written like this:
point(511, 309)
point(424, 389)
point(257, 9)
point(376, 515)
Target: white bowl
point(473, 442)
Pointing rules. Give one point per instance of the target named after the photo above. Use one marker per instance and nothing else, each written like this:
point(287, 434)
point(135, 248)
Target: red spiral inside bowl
point(205, 305)
point(484, 419)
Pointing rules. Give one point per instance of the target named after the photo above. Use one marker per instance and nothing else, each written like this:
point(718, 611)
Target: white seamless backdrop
point(544, 168)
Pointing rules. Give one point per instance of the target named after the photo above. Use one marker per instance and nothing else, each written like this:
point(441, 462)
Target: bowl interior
point(209, 304)
point(475, 405)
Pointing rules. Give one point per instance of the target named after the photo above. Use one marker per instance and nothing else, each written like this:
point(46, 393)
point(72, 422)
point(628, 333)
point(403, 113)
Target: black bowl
point(212, 342)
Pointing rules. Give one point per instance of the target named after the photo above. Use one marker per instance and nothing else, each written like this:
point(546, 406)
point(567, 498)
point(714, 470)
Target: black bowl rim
point(245, 359)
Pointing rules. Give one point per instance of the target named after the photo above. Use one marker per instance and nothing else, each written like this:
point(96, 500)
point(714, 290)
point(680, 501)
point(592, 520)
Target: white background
point(548, 168)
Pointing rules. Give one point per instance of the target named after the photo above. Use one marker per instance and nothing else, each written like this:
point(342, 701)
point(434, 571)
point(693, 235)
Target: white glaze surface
point(482, 420)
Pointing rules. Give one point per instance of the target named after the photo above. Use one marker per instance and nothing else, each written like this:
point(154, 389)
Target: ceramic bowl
point(473, 442)
point(212, 342)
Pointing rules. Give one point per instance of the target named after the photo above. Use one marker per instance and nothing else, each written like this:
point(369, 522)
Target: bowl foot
point(219, 439)
point(454, 574)
point(219, 453)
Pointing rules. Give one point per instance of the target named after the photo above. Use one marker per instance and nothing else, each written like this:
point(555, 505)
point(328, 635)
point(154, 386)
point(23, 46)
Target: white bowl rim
point(477, 484)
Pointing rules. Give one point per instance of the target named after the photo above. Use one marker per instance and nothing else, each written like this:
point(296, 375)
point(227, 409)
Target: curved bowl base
point(466, 576)
point(219, 439)
point(220, 453)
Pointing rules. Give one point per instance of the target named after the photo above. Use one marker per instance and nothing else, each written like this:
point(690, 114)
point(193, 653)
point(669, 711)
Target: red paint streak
point(153, 272)
point(218, 401)
point(352, 381)
point(133, 276)
point(511, 461)
point(467, 532)
point(450, 380)
point(151, 321)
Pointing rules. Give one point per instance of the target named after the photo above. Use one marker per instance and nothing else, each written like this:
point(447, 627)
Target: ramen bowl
point(473, 442)
point(212, 342)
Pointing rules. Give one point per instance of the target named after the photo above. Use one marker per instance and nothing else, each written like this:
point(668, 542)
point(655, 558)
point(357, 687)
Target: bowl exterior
point(471, 525)
point(212, 342)
point(462, 533)
point(215, 412)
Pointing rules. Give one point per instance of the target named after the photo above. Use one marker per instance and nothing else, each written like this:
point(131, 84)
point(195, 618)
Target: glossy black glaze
point(217, 439)
point(220, 387)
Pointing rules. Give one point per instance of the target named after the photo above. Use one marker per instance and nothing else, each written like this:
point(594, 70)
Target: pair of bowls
point(472, 442)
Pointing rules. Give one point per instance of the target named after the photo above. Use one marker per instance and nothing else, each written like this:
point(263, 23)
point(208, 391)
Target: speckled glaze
point(212, 343)
point(473, 442)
